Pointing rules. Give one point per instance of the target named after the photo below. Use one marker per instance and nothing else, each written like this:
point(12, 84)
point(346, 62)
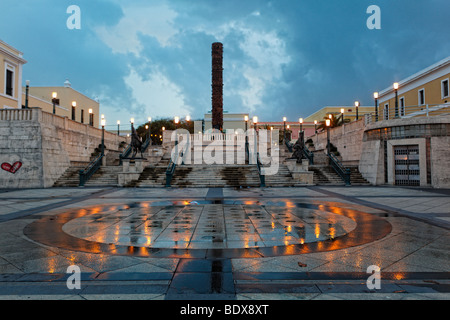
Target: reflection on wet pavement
point(203, 224)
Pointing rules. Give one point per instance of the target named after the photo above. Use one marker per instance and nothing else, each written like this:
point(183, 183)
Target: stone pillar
point(217, 86)
point(131, 170)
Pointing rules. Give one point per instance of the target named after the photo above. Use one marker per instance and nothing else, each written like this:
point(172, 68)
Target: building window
point(402, 107)
point(445, 91)
point(9, 80)
point(82, 116)
point(421, 97)
point(386, 112)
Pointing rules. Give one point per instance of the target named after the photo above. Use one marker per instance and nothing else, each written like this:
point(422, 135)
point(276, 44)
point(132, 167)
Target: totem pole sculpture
point(217, 86)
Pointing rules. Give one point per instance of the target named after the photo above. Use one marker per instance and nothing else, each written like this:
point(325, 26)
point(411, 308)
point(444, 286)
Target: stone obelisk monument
point(217, 86)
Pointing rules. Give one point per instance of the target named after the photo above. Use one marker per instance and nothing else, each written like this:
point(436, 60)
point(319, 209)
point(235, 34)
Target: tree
point(157, 125)
point(335, 122)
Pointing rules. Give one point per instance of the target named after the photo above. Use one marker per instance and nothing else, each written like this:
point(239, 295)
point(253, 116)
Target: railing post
point(347, 177)
point(81, 176)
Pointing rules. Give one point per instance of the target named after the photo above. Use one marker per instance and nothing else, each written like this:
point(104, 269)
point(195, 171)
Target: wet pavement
point(227, 244)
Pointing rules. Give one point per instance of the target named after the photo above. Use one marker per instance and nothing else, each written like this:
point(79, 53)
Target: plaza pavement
point(324, 256)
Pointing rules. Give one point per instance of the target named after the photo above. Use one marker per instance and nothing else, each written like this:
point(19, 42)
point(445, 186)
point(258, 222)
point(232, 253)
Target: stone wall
point(45, 145)
point(440, 162)
point(20, 146)
point(347, 139)
point(430, 134)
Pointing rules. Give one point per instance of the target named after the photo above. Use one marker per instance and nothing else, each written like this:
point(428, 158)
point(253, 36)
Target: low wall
point(347, 139)
point(430, 134)
point(44, 144)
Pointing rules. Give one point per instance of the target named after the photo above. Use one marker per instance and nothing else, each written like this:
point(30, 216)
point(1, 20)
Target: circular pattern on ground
point(208, 229)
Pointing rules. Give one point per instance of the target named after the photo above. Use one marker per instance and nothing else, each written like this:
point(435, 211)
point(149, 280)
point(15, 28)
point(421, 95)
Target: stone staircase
point(152, 176)
point(70, 177)
point(216, 176)
point(325, 175)
point(356, 178)
point(283, 178)
point(106, 176)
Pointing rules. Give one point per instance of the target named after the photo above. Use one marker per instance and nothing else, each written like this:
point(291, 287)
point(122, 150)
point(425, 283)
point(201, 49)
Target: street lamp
point(103, 122)
point(246, 138)
point(375, 96)
point(118, 127)
point(396, 99)
point(149, 119)
point(91, 118)
point(74, 105)
point(26, 93)
point(301, 124)
point(54, 100)
point(328, 124)
point(315, 126)
point(357, 106)
point(255, 122)
point(342, 115)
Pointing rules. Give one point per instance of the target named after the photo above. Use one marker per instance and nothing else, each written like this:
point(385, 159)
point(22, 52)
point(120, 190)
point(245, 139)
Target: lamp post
point(149, 119)
point(255, 122)
point(54, 100)
point(396, 99)
point(357, 113)
point(74, 105)
point(342, 115)
point(91, 118)
point(118, 127)
point(301, 125)
point(315, 126)
point(103, 122)
point(26, 93)
point(246, 138)
point(375, 96)
point(328, 124)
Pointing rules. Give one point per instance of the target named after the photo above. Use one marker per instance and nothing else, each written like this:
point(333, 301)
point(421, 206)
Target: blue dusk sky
point(281, 57)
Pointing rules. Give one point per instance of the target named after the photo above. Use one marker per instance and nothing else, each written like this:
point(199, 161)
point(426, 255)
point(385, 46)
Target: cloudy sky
point(281, 57)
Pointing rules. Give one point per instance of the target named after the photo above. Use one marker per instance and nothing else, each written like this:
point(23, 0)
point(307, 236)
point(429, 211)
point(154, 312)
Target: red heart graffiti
point(11, 168)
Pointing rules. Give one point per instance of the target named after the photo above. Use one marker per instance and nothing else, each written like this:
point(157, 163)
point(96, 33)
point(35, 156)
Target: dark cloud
point(281, 58)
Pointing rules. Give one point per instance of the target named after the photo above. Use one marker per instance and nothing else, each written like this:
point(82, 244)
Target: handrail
point(262, 178)
point(288, 145)
point(247, 152)
point(343, 172)
point(309, 155)
point(146, 144)
point(92, 168)
point(125, 153)
point(170, 171)
point(173, 164)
